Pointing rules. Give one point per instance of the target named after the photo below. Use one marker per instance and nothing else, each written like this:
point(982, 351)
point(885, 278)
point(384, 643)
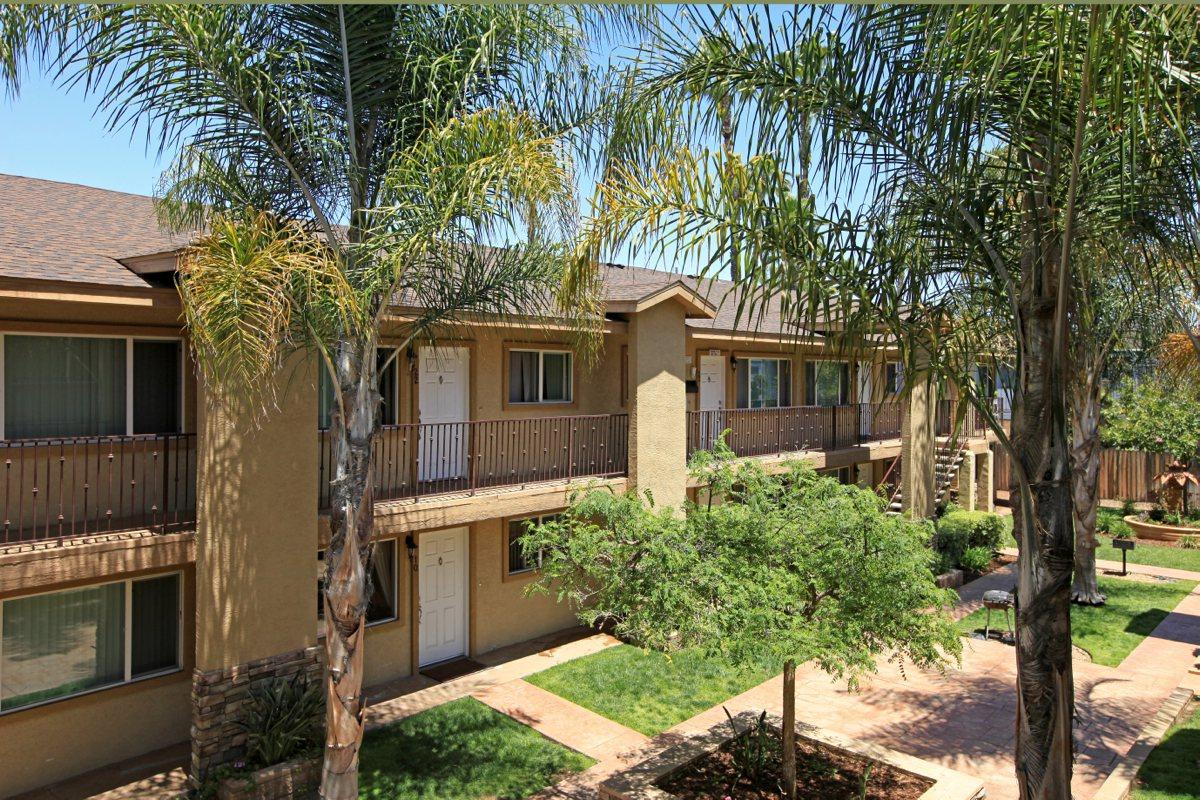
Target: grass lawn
point(1171, 772)
point(644, 690)
point(1151, 555)
point(1110, 632)
point(462, 750)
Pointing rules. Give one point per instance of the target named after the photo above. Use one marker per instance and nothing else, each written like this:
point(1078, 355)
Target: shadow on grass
point(1144, 623)
point(1171, 770)
point(462, 750)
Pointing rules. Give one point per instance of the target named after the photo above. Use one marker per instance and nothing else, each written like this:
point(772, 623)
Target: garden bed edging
point(639, 782)
point(296, 778)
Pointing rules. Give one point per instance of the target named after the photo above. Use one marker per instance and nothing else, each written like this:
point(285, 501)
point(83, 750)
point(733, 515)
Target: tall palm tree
point(341, 159)
point(960, 150)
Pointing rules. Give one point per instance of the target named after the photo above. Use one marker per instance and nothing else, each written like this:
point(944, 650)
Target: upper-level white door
point(866, 396)
point(712, 398)
point(442, 408)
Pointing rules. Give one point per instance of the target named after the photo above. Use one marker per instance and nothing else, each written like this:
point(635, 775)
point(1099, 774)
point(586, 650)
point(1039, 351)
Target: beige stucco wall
point(57, 741)
point(501, 613)
point(657, 429)
point(48, 743)
point(256, 541)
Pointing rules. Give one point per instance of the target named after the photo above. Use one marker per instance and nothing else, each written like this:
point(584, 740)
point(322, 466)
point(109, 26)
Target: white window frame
point(537, 519)
point(778, 380)
point(541, 387)
point(129, 341)
point(395, 587)
point(896, 386)
point(128, 677)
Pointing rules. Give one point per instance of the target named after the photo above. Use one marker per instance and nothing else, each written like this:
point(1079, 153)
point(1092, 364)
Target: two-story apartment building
point(160, 551)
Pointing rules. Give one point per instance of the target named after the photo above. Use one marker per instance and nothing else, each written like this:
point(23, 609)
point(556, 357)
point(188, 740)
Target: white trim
point(127, 621)
point(570, 376)
point(129, 387)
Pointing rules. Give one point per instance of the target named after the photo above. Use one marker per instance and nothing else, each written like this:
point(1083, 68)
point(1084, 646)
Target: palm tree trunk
point(347, 569)
point(1085, 484)
point(789, 729)
point(1042, 521)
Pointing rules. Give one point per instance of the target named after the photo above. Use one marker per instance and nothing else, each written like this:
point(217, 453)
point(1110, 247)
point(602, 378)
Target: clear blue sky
point(48, 132)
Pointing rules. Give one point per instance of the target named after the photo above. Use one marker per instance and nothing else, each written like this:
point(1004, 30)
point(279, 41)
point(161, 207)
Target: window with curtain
point(517, 528)
point(389, 390)
point(539, 376)
point(764, 383)
point(826, 383)
point(156, 386)
point(62, 643)
point(893, 378)
point(63, 386)
point(383, 605)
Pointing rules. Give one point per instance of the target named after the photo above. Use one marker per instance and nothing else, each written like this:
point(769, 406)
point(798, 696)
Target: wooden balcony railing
point(766, 431)
point(439, 458)
point(89, 485)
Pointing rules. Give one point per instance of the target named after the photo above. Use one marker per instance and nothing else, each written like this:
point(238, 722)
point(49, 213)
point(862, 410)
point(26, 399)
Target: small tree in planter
point(790, 567)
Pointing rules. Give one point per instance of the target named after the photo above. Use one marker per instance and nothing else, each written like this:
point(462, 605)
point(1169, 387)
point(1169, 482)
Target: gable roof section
point(67, 232)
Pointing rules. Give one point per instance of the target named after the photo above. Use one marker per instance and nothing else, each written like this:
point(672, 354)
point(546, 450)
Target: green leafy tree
point(342, 160)
point(1157, 415)
point(959, 151)
point(788, 568)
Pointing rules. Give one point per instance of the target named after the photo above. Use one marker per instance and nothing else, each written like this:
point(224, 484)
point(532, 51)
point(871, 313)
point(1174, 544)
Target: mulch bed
point(821, 774)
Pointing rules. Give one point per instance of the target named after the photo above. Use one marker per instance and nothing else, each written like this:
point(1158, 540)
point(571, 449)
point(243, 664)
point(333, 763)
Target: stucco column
point(985, 495)
point(966, 481)
point(917, 448)
point(658, 402)
point(256, 554)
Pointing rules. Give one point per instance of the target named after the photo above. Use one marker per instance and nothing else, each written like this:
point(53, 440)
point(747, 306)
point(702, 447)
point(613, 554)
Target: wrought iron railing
point(414, 460)
point(765, 431)
point(59, 488)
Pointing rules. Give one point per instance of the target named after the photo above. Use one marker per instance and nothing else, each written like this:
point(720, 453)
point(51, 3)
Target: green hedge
point(959, 531)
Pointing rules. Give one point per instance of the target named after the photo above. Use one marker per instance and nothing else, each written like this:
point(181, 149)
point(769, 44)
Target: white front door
point(712, 398)
point(442, 407)
point(442, 624)
point(866, 397)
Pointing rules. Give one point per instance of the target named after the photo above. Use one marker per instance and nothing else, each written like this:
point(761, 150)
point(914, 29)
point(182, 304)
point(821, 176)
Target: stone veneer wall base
point(217, 697)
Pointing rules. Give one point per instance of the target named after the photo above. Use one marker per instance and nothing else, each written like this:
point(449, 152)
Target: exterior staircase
point(947, 459)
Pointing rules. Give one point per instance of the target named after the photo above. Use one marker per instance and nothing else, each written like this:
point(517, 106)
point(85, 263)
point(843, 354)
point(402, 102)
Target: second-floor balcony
point(67, 487)
point(767, 431)
point(418, 460)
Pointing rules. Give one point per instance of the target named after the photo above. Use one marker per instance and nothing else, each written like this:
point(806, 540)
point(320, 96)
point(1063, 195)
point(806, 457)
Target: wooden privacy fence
point(1124, 474)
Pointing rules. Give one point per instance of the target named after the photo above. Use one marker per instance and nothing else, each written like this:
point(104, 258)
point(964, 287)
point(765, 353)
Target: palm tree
point(341, 159)
point(960, 150)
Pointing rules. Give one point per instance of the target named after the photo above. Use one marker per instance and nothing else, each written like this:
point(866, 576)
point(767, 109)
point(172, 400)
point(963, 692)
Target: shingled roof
point(68, 232)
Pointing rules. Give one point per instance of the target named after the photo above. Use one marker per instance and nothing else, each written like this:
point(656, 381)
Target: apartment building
point(160, 551)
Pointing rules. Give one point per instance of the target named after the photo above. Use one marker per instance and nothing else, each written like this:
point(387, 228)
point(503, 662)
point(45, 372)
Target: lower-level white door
point(442, 626)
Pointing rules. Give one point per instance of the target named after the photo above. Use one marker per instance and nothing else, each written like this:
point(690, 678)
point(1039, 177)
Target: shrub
point(1190, 542)
point(976, 559)
point(959, 531)
point(1127, 508)
point(1119, 529)
point(282, 720)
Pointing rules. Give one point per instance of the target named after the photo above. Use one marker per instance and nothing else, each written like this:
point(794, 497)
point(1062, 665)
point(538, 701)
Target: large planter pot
point(298, 778)
point(1144, 529)
point(641, 782)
